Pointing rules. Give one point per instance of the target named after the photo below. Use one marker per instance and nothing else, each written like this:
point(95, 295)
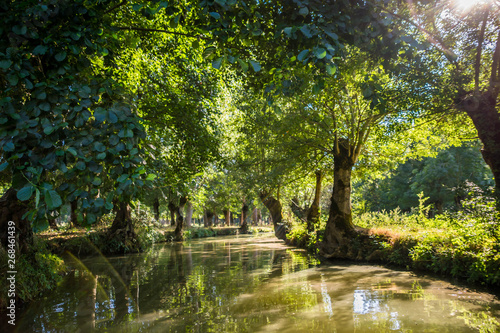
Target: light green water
point(251, 284)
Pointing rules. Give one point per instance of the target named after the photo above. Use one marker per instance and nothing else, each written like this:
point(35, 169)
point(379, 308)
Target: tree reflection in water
point(250, 284)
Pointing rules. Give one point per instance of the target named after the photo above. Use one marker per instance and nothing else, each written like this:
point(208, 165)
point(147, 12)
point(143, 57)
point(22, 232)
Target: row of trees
point(107, 102)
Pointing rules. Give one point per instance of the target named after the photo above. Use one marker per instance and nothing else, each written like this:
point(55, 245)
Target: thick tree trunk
point(244, 215)
point(339, 223)
point(205, 218)
point(484, 114)
point(122, 226)
point(209, 216)
point(189, 214)
point(156, 209)
point(179, 223)
point(227, 217)
point(231, 218)
point(314, 210)
point(11, 212)
point(274, 207)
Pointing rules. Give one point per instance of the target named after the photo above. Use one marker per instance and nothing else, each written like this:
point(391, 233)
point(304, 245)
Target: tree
point(59, 112)
point(457, 49)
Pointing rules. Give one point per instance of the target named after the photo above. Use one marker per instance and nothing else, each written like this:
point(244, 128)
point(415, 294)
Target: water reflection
point(251, 284)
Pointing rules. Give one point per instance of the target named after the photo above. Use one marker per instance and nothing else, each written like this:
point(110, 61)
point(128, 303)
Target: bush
point(37, 271)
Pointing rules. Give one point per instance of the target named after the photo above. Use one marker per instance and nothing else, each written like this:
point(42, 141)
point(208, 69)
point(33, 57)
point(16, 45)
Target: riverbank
point(81, 242)
point(462, 247)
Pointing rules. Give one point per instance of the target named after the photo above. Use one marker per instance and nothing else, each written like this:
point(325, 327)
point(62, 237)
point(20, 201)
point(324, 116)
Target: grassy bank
point(463, 245)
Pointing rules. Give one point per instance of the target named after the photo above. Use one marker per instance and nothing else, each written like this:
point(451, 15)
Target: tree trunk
point(244, 213)
point(313, 213)
point(255, 216)
point(210, 216)
point(274, 207)
point(156, 209)
point(216, 219)
point(11, 209)
point(231, 217)
point(122, 227)
point(298, 211)
point(171, 208)
point(205, 218)
point(484, 114)
point(189, 214)
point(179, 225)
point(227, 217)
point(74, 216)
point(339, 223)
point(53, 224)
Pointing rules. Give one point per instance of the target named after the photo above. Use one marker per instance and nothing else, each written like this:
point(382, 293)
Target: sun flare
point(467, 4)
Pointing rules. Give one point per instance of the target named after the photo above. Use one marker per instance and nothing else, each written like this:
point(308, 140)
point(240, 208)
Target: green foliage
point(37, 271)
point(199, 233)
point(462, 244)
point(445, 179)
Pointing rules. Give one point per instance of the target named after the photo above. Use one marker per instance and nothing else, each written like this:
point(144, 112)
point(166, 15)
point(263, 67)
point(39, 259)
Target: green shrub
point(37, 271)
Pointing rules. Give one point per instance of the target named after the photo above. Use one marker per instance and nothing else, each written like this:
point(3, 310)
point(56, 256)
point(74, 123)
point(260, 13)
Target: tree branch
point(477, 66)
point(124, 2)
point(162, 31)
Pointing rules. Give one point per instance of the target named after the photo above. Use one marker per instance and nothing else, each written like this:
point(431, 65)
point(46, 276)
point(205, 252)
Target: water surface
point(251, 284)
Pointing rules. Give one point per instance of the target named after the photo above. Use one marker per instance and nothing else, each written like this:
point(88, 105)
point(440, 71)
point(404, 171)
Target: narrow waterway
point(251, 284)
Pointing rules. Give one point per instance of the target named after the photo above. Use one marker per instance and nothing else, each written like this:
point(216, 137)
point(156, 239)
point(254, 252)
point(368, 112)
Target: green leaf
point(306, 31)
point(101, 156)
point(208, 51)
point(13, 79)
point(72, 151)
point(4, 64)
point(134, 151)
point(151, 177)
point(40, 49)
point(60, 56)
point(302, 55)
point(288, 31)
point(217, 63)
point(9, 146)
point(304, 11)
point(97, 181)
point(4, 166)
point(99, 202)
point(114, 139)
point(48, 130)
point(100, 115)
point(332, 34)
point(243, 64)
point(41, 95)
point(74, 49)
point(320, 53)
point(98, 146)
point(52, 199)
point(255, 65)
point(122, 178)
point(25, 193)
point(215, 15)
point(44, 106)
point(331, 69)
point(80, 165)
